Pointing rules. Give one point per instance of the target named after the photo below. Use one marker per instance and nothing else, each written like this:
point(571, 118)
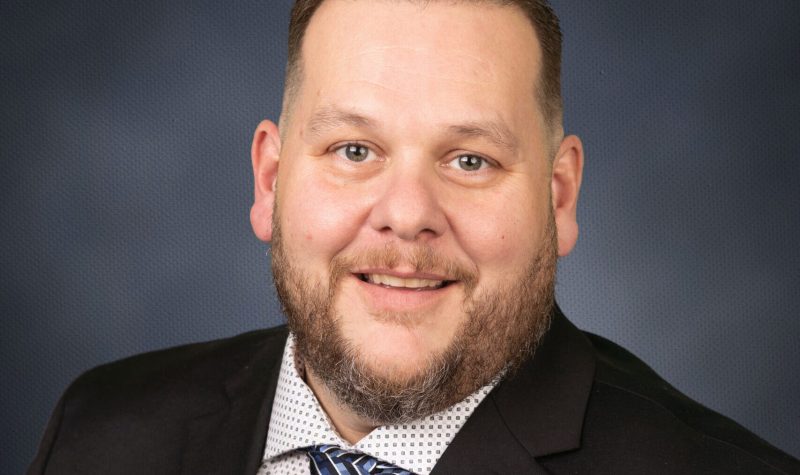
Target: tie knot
point(334, 460)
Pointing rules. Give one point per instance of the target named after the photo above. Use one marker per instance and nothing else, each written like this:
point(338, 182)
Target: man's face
point(413, 220)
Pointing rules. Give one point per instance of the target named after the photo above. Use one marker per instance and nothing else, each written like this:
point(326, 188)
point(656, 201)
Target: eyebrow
point(327, 118)
point(496, 132)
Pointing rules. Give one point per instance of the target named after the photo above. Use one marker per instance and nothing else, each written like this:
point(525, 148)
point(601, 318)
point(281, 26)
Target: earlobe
point(265, 153)
point(567, 174)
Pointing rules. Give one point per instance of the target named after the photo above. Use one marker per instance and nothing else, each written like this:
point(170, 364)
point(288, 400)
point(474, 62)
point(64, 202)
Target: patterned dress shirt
point(298, 421)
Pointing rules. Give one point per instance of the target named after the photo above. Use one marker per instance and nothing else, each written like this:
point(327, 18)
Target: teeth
point(392, 281)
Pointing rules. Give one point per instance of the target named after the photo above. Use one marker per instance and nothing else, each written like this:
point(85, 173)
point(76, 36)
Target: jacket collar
point(544, 404)
point(538, 411)
point(232, 439)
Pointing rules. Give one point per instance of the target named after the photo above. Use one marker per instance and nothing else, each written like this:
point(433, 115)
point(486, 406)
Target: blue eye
point(469, 163)
point(354, 152)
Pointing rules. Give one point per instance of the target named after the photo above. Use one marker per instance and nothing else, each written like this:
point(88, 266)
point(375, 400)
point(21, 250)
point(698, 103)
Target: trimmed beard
point(502, 328)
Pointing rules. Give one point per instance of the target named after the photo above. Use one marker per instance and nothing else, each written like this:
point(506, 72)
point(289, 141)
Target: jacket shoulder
point(133, 414)
point(635, 415)
point(206, 363)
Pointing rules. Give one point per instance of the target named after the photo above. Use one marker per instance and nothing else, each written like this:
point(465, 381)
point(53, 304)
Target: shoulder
point(186, 373)
point(137, 410)
point(205, 363)
point(635, 412)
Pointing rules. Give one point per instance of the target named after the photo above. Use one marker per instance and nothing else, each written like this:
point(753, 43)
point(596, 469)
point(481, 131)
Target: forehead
point(428, 59)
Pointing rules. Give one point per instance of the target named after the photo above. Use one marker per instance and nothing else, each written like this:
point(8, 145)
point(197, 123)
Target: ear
point(566, 184)
point(265, 152)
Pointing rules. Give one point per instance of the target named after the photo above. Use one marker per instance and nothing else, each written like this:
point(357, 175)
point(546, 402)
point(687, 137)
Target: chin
point(400, 341)
point(398, 372)
point(395, 361)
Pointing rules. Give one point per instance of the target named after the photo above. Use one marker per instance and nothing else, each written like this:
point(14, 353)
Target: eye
point(469, 163)
point(354, 152)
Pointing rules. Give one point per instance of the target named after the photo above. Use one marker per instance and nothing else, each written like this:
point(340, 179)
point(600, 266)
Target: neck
point(349, 425)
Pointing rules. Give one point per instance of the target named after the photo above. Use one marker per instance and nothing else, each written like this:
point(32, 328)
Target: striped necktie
point(333, 460)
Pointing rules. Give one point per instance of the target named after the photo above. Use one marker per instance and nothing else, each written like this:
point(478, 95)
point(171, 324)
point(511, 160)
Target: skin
point(431, 80)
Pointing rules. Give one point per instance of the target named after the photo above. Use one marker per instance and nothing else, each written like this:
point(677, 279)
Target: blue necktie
point(333, 460)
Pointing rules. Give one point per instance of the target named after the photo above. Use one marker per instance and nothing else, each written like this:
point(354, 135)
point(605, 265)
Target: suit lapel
point(545, 402)
point(485, 445)
point(537, 411)
point(231, 440)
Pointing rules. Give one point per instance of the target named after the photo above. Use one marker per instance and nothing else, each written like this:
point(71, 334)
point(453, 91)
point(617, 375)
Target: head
point(417, 195)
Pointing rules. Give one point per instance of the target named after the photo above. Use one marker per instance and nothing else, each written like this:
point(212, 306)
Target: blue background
point(126, 185)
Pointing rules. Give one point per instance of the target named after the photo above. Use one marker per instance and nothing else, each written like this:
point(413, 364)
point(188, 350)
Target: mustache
point(420, 257)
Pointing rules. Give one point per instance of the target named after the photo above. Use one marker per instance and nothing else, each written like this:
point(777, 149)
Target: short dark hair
point(541, 15)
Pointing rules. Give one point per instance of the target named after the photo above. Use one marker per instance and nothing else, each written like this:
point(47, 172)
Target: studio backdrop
point(126, 185)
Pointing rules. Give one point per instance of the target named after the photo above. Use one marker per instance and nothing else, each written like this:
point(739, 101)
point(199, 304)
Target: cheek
point(490, 242)
point(320, 217)
point(501, 233)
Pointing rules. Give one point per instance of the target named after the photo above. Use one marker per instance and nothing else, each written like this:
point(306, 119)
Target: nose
point(410, 206)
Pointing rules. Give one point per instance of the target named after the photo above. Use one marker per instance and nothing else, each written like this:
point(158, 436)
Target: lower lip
point(394, 299)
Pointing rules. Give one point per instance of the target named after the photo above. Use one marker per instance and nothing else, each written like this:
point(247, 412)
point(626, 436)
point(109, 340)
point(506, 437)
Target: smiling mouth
point(392, 282)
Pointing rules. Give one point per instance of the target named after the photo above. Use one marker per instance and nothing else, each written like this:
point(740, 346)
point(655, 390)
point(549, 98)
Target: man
point(417, 195)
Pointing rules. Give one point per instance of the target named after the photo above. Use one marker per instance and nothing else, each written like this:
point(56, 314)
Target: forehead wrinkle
point(385, 87)
point(452, 56)
point(452, 66)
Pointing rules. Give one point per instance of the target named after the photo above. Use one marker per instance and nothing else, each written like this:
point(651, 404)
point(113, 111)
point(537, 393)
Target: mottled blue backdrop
point(125, 186)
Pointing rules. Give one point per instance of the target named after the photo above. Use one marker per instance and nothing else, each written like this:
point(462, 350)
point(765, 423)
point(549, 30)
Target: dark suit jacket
point(581, 405)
